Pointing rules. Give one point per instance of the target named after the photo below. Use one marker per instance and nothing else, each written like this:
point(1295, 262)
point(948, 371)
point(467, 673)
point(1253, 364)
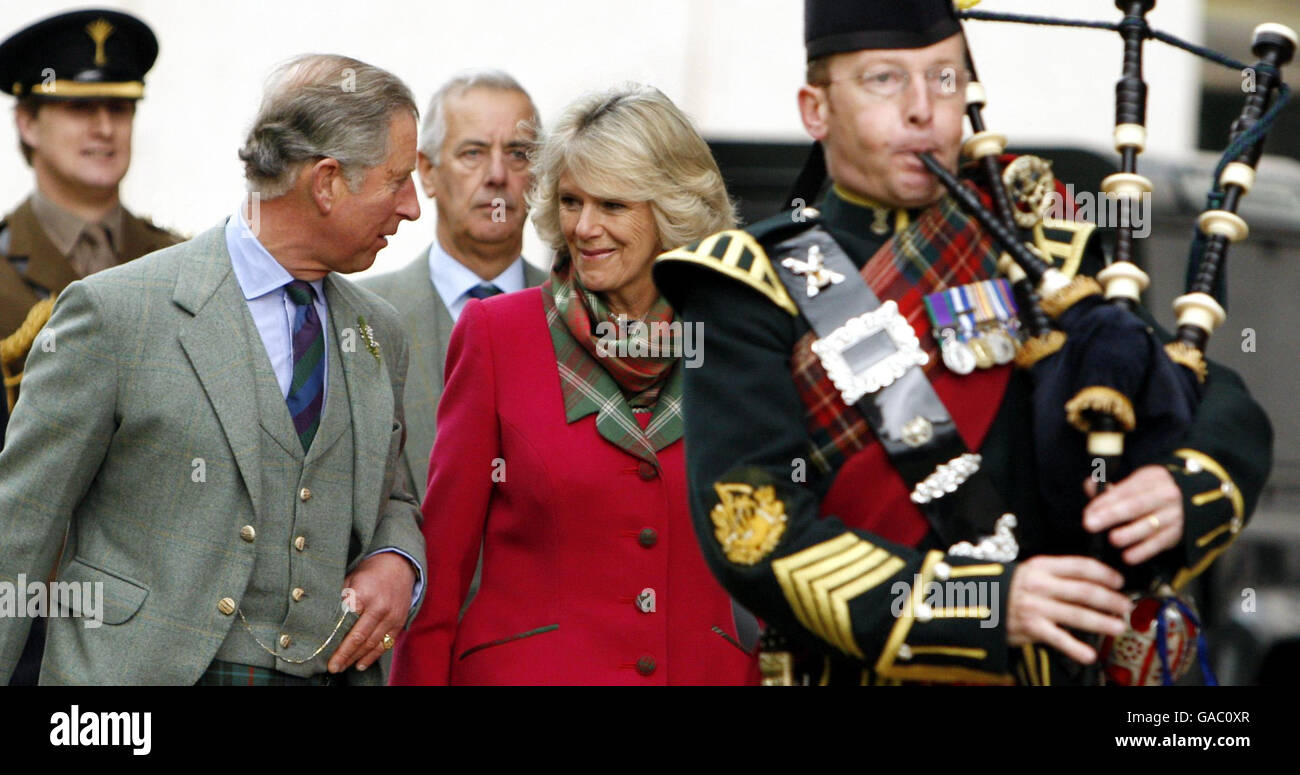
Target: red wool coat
point(573, 530)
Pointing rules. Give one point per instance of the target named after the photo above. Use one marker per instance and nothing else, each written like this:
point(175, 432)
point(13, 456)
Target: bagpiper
point(861, 462)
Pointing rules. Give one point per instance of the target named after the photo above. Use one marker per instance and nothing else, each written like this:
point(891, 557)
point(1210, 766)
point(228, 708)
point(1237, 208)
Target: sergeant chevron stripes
point(820, 581)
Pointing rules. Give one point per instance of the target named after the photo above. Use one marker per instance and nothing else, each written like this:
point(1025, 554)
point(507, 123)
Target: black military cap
point(836, 26)
point(91, 54)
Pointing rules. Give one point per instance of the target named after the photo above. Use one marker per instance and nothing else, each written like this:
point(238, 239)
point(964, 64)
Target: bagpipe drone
point(1105, 387)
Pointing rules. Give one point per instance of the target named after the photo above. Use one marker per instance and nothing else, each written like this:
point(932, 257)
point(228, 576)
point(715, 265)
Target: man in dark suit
point(473, 162)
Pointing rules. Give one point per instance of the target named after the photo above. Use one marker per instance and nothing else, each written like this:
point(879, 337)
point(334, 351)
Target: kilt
point(232, 674)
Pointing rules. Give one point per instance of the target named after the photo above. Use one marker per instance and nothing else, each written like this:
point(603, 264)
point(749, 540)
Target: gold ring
point(388, 641)
point(1155, 522)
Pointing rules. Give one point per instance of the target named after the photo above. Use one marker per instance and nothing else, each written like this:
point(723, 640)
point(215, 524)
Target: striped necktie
point(307, 390)
point(483, 291)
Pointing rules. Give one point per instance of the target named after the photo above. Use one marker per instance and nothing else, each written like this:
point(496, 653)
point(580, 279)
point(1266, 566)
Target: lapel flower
point(368, 336)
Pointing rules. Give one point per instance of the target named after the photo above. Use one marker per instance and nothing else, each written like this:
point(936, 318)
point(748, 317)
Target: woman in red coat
point(559, 444)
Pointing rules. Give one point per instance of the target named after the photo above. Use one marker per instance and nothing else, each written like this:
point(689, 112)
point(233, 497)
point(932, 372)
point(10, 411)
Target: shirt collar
point(64, 228)
point(256, 270)
point(452, 279)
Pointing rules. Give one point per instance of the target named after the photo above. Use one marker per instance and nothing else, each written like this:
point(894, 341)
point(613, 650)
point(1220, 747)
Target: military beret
point(88, 54)
point(836, 26)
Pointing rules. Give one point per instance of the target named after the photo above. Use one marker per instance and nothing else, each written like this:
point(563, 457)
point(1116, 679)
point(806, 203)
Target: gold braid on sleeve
point(14, 348)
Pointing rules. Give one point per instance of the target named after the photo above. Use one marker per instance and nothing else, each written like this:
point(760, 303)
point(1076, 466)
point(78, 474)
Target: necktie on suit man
point(307, 389)
point(483, 291)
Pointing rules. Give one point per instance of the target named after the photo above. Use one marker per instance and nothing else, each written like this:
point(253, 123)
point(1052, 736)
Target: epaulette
point(739, 254)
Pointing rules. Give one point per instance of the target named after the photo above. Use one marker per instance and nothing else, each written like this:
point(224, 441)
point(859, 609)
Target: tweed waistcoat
point(323, 519)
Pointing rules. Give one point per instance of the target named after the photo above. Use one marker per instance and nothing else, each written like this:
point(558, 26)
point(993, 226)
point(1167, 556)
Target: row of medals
point(992, 345)
point(976, 325)
point(995, 342)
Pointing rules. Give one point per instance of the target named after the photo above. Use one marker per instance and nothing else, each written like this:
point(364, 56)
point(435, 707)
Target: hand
point(382, 585)
point(1126, 510)
point(1049, 594)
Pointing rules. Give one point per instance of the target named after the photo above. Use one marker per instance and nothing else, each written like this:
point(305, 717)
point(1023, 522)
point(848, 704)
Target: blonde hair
point(631, 143)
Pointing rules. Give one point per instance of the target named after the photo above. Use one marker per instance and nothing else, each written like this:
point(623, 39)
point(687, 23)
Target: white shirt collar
point(453, 280)
point(256, 270)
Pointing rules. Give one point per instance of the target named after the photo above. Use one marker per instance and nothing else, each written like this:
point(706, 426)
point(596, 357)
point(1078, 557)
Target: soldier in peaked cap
point(850, 477)
point(77, 77)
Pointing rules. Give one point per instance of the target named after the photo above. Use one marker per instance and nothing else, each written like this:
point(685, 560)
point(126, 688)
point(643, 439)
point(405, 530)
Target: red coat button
point(645, 665)
point(646, 470)
point(648, 537)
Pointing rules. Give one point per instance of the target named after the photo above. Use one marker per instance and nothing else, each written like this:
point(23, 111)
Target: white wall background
point(733, 65)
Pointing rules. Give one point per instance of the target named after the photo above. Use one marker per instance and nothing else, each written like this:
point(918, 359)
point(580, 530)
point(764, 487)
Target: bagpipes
point(1105, 388)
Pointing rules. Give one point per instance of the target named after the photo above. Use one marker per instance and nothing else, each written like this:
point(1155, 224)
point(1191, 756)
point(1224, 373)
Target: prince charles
point(217, 426)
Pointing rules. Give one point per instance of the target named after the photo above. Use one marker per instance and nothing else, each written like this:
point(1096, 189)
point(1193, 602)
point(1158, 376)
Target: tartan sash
point(942, 248)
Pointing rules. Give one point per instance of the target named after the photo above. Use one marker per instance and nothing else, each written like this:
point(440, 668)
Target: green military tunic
point(830, 585)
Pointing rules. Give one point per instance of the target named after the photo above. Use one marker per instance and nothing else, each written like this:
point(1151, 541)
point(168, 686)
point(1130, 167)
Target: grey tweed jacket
point(147, 377)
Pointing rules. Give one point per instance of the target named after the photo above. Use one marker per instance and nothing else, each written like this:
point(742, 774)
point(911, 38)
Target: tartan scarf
point(599, 375)
point(942, 248)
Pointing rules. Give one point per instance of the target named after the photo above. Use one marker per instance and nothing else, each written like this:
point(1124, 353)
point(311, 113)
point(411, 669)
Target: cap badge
point(99, 30)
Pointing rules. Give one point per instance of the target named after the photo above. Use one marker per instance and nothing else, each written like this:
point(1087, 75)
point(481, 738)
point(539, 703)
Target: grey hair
point(631, 143)
point(322, 106)
point(434, 130)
